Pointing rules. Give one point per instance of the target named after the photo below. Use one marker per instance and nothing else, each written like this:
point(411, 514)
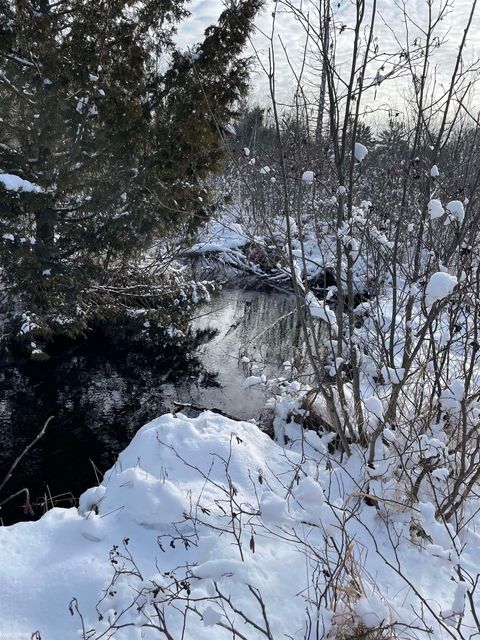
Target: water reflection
point(254, 325)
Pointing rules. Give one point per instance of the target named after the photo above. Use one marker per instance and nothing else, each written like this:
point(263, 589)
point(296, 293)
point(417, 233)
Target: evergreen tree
point(106, 135)
point(255, 132)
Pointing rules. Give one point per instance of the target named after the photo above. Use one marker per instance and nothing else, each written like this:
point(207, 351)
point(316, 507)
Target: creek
point(99, 396)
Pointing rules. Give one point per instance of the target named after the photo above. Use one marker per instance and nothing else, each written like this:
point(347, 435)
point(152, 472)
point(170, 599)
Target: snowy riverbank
point(210, 517)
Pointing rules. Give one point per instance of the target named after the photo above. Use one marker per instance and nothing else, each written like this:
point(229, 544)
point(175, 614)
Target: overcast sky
point(389, 17)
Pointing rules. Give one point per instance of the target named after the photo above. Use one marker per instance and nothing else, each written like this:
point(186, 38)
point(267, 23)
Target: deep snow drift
point(211, 515)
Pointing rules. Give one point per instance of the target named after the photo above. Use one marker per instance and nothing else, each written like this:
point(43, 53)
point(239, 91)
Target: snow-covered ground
point(222, 235)
point(206, 525)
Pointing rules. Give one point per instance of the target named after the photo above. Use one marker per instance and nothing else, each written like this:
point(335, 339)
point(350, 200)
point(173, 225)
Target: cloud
point(391, 31)
point(203, 14)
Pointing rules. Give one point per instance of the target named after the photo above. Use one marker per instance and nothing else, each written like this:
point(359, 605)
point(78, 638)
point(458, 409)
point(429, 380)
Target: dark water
point(99, 396)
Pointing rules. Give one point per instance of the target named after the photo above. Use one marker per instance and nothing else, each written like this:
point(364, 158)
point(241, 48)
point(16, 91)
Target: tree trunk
point(45, 234)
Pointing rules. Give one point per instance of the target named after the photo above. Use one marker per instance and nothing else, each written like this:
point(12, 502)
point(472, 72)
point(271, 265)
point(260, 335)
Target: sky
point(389, 27)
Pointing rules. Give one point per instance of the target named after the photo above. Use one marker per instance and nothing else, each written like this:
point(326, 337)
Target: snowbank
point(212, 511)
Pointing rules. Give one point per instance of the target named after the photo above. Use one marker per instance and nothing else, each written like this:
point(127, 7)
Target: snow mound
point(157, 481)
point(213, 509)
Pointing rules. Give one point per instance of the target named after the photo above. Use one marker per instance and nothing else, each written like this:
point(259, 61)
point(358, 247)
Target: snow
point(196, 55)
point(308, 177)
point(309, 493)
point(435, 209)
point(361, 152)
point(440, 286)
point(374, 406)
point(220, 236)
point(321, 311)
point(395, 376)
point(216, 569)
point(150, 501)
point(82, 104)
point(212, 616)
point(216, 504)
point(272, 508)
point(148, 490)
point(372, 612)
point(12, 182)
point(456, 210)
point(91, 499)
point(452, 396)
point(440, 474)
point(459, 598)
point(252, 381)
point(230, 129)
